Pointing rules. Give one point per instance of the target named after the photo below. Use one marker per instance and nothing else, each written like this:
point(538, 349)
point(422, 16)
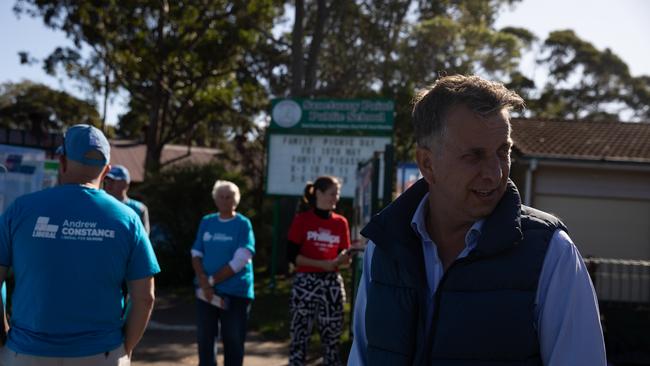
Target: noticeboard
point(296, 159)
point(313, 137)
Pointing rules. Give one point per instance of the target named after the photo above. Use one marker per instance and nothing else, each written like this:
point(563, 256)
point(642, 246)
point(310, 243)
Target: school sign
point(312, 137)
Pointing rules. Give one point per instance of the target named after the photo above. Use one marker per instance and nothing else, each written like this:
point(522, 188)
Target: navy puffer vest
point(484, 305)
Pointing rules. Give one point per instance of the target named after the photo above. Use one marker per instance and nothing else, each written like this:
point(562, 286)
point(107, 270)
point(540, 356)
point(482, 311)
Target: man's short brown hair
point(481, 96)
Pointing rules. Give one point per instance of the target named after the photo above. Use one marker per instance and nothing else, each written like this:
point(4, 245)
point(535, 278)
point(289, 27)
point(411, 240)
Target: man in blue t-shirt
point(117, 183)
point(70, 248)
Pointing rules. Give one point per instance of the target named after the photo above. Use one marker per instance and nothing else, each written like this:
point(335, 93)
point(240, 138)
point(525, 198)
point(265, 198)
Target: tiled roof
point(582, 140)
point(132, 156)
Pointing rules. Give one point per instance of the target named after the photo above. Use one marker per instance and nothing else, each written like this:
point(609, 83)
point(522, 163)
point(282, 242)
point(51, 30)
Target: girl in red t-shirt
point(318, 243)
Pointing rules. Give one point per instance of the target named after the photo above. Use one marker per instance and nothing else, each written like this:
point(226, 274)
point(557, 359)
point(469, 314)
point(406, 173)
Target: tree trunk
point(322, 13)
point(296, 49)
point(152, 137)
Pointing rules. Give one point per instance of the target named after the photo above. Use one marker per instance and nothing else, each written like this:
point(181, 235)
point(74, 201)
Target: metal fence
point(620, 280)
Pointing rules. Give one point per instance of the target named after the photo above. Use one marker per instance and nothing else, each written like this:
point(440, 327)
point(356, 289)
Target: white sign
point(296, 159)
point(21, 172)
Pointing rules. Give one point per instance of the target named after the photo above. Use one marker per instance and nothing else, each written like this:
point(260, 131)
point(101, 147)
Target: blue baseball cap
point(87, 145)
point(119, 172)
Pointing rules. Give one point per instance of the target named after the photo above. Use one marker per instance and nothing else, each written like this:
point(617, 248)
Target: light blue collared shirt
point(566, 308)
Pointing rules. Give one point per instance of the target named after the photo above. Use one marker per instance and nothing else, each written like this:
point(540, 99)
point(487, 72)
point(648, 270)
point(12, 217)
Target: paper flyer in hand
point(216, 300)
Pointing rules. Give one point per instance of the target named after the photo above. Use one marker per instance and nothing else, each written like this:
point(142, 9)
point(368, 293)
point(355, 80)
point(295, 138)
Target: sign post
point(313, 137)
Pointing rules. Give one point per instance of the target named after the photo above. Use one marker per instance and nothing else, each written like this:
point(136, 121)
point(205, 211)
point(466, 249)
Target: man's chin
point(479, 213)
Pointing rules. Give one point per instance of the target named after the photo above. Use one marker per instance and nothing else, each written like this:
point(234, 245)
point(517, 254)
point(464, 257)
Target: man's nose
point(492, 169)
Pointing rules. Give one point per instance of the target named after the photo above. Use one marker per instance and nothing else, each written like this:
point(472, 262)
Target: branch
point(270, 37)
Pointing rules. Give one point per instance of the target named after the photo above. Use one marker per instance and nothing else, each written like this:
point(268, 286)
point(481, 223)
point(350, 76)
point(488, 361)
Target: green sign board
point(332, 116)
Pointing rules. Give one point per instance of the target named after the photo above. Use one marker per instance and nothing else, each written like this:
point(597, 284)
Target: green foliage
point(587, 83)
point(387, 49)
point(526, 36)
point(349, 48)
point(40, 109)
point(638, 97)
point(202, 72)
point(270, 311)
point(183, 64)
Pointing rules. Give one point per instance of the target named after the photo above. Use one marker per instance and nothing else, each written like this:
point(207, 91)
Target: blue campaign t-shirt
point(71, 247)
point(136, 206)
point(218, 240)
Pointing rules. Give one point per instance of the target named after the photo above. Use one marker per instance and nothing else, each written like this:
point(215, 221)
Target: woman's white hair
point(225, 183)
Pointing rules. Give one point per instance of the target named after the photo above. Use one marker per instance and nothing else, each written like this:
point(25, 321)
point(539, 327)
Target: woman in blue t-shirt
point(221, 258)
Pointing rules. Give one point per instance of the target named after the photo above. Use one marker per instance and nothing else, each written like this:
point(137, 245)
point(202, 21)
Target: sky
point(621, 25)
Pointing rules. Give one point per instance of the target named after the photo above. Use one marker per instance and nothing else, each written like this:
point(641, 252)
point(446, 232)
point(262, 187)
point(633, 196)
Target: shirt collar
point(418, 223)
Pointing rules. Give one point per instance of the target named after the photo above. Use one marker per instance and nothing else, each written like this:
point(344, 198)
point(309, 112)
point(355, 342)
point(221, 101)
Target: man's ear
point(424, 159)
point(63, 164)
point(107, 168)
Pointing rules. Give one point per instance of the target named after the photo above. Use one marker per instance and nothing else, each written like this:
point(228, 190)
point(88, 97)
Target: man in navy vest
point(457, 271)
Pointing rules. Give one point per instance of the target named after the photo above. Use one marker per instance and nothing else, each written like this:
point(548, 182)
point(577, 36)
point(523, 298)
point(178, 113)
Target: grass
point(270, 311)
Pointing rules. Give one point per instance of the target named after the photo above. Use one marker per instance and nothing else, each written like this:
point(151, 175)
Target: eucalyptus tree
point(183, 63)
point(40, 109)
point(365, 48)
point(587, 83)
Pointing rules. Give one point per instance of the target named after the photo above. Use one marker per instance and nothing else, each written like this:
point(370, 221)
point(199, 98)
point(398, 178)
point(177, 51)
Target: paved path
point(173, 348)
point(170, 339)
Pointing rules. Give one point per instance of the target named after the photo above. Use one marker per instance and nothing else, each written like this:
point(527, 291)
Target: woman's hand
point(208, 292)
point(128, 352)
point(204, 284)
point(344, 259)
point(331, 265)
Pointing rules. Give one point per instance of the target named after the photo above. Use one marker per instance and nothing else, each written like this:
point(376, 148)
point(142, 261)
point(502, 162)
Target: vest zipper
point(436, 311)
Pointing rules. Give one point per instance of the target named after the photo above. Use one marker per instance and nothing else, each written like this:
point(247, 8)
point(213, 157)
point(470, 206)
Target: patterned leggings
point(320, 297)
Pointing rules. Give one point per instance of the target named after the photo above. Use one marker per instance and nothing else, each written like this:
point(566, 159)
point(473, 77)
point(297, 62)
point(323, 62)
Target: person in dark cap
point(457, 270)
point(117, 183)
point(70, 248)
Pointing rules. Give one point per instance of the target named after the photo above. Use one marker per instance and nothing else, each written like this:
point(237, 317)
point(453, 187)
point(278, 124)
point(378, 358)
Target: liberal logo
point(216, 237)
point(43, 229)
point(207, 236)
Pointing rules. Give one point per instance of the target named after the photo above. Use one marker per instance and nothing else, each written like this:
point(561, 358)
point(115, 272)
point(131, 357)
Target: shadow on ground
point(171, 338)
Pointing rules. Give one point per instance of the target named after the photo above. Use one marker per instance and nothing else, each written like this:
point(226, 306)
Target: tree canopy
point(40, 109)
point(181, 63)
point(343, 49)
point(203, 72)
point(587, 83)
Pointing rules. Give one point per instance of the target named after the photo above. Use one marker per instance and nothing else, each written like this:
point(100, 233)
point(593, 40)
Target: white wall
point(607, 211)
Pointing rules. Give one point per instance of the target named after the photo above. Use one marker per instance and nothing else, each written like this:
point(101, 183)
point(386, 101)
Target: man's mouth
point(484, 192)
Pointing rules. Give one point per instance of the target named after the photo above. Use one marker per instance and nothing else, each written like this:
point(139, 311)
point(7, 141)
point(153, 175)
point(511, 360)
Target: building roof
point(132, 155)
point(582, 140)
point(47, 141)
